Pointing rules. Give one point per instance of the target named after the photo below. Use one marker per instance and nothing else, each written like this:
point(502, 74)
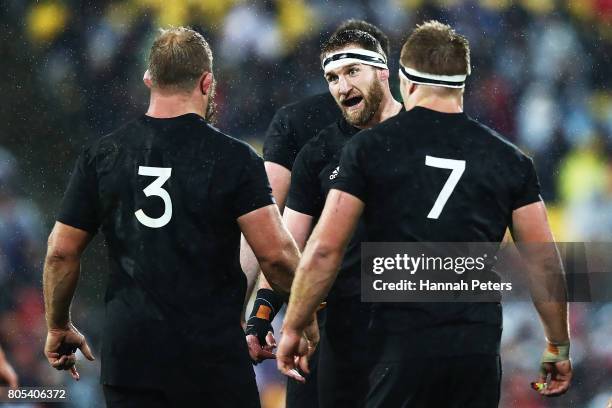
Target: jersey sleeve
point(253, 190)
point(80, 205)
point(351, 175)
point(529, 190)
point(305, 190)
point(280, 145)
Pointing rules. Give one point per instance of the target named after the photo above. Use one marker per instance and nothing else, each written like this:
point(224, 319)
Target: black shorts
point(127, 397)
point(221, 387)
point(304, 395)
point(347, 354)
point(463, 381)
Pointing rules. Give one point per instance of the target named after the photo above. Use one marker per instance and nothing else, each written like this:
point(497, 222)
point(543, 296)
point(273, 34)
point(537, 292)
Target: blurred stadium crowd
point(71, 71)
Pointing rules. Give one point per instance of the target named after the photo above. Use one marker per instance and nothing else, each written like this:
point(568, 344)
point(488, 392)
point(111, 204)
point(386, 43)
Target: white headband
point(447, 81)
point(354, 55)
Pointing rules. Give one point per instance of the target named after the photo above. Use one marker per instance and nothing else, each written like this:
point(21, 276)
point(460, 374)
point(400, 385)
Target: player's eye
point(353, 71)
point(332, 78)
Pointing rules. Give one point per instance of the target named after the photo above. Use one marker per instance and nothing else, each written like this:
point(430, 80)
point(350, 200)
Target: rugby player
point(292, 126)
point(171, 194)
point(355, 67)
point(397, 174)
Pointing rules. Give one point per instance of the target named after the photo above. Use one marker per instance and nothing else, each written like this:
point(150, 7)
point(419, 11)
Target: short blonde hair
point(435, 48)
point(178, 57)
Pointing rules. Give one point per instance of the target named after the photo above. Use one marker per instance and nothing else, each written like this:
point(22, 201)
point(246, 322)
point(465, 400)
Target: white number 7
point(457, 167)
point(155, 188)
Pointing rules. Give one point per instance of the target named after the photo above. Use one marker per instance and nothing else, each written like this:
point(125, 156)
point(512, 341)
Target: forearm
point(549, 292)
point(280, 179)
point(250, 268)
point(314, 278)
point(554, 320)
point(60, 278)
point(279, 273)
point(299, 226)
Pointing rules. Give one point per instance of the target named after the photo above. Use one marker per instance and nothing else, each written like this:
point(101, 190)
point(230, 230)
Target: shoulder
point(498, 142)
point(369, 139)
point(128, 135)
point(135, 134)
point(318, 147)
point(230, 144)
point(389, 128)
point(309, 105)
point(309, 115)
point(325, 135)
point(302, 116)
point(311, 153)
point(108, 143)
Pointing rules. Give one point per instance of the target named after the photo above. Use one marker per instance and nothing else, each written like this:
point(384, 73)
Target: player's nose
point(344, 86)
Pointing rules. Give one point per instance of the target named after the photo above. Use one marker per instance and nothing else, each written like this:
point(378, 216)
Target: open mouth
point(352, 101)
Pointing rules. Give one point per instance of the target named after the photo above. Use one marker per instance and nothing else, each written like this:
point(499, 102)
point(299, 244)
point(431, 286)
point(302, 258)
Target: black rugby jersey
point(295, 124)
point(400, 169)
point(166, 193)
point(314, 170)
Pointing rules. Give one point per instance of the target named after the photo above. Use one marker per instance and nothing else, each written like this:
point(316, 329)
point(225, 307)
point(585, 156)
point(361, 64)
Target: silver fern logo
point(334, 173)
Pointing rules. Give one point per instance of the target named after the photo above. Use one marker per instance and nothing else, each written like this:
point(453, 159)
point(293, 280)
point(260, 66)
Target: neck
point(444, 104)
point(388, 107)
point(169, 105)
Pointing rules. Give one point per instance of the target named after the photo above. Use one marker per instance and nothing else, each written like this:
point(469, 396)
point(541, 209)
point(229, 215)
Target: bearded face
point(357, 91)
point(360, 106)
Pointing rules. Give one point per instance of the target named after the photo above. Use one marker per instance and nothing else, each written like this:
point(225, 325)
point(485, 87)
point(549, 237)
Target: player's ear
point(205, 82)
point(147, 79)
point(383, 74)
point(412, 88)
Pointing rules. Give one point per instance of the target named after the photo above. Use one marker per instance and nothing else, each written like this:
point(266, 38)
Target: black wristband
point(267, 304)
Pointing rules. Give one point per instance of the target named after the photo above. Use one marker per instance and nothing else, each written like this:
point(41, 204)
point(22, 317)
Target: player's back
point(169, 193)
point(438, 177)
point(427, 176)
point(182, 177)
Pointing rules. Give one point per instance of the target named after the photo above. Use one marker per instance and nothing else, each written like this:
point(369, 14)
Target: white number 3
point(457, 167)
point(155, 188)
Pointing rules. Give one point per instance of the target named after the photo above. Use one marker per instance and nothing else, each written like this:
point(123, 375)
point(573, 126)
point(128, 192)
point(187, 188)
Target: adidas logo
point(334, 173)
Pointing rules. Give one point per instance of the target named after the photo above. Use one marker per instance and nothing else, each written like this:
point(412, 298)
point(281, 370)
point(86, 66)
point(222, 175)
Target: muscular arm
point(314, 277)
point(272, 245)
point(259, 326)
point(61, 272)
point(280, 180)
point(547, 284)
point(535, 241)
point(322, 257)
point(299, 225)
point(60, 277)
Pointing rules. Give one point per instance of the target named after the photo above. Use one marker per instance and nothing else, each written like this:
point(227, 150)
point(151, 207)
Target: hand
point(560, 377)
point(7, 374)
point(258, 352)
point(260, 339)
point(311, 332)
point(293, 353)
point(61, 346)
point(555, 362)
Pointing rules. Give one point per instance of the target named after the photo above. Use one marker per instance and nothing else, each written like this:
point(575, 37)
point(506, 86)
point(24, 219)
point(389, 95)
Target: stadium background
point(71, 71)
